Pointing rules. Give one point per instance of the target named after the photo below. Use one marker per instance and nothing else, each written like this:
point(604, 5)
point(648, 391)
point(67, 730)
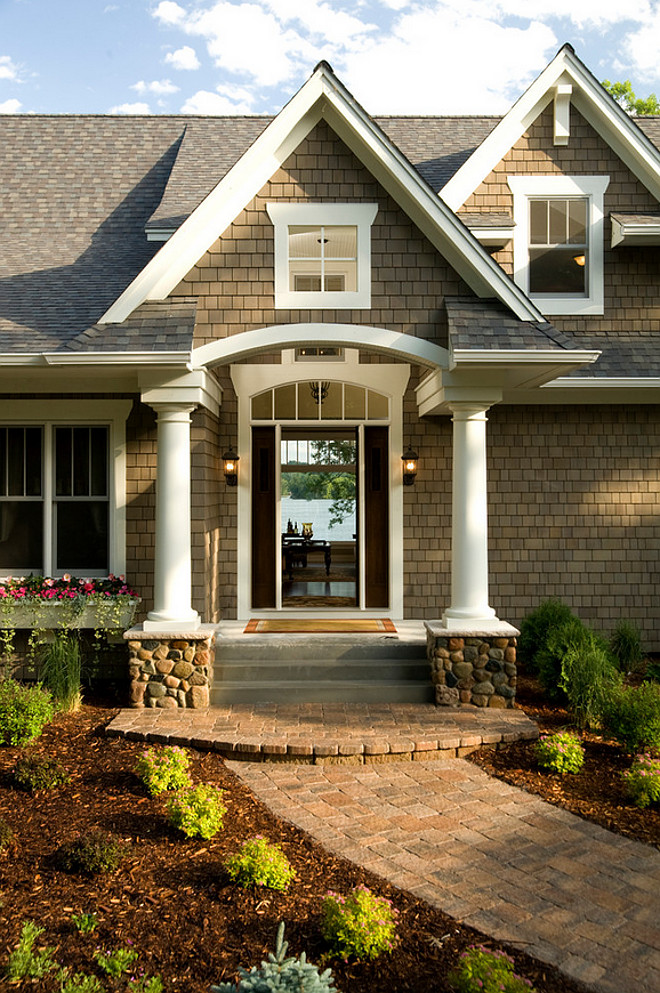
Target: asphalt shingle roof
point(488, 324)
point(155, 326)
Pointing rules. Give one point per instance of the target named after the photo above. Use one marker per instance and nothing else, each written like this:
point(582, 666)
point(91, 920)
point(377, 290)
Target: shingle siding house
point(484, 290)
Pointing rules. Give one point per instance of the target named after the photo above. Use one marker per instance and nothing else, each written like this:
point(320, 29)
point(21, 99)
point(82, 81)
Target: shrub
point(164, 769)
point(360, 925)
point(85, 923)
point(482, 971)
point(588, 675)
point(24, 712)
point(280, 975)
point(573, 635)
point(60, 668)
point(643, 780)
point(626, 646)
point(560, 752)
point(260, 863)
point(632, 716)
point(197, 811)
point(116, 963)
point(145, 984)
point(6, 833)
point(33, 773)
point(536, 627)
point(92, 854)
point(24, 962)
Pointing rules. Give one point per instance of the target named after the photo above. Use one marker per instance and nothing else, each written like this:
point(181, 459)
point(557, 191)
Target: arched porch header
point(398, 346)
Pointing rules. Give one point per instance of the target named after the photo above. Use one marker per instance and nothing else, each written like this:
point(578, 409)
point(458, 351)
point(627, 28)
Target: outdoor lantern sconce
point(231, 460)
point(409, 459)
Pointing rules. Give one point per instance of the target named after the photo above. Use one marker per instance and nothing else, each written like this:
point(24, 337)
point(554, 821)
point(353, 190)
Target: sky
point(237, 57)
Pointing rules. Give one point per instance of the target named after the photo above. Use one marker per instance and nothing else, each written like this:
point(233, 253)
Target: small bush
point(588, 675)
point(643, 780)
point(197, 811)
point(573, 636)
point(482, 971)
point(535, 629)
point(361, 924)
point(92, 854)
point(260, 863)
point(85, 923)
point(280, 975)
point(116, 963)
point(560, 752)
point(632, 716)
point(6, 834)
point(626, 646)
point(79, 982)
point(24, 712)
point(60, 668)
point(146, 984)
point(164, 769)
point(33, 773)
point(26, 963)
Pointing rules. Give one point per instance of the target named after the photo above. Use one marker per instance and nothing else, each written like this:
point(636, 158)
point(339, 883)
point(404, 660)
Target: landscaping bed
point(172, 899)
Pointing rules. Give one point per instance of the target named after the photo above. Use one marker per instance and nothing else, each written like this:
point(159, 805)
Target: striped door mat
point(328, 625)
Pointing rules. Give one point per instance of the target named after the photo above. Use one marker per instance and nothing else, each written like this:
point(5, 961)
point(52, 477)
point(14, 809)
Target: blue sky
point(227, 57)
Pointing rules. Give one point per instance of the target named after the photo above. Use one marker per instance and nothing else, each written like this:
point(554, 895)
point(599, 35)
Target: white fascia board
point(603, 382)
point(590, 99)
point(509, 357)
point(635, 234)
point(493, 237)
point(150, 359)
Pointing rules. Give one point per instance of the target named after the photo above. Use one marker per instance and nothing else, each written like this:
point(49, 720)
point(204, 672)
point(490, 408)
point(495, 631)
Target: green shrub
point(146, 984)
point(92, 854)
point(85, 923)
point(632, 716)
point(572, 635)
point(164, 769)
point(626, 646)
point(535, 629)
point(588, 675)
point(652, 671)
point(79, 982)
point(560, 752)
point(6, 833)
point(116, 963)
point(60, 668)
point(280, 975)
point(361, 924)
point(26, 963)
point(260, 863)
point(643, 780)
point(24, 712)
point(197, 811)
point(33, 773)
point(482, 971)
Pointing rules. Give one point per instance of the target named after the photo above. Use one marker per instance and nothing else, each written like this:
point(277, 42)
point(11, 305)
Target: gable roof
point(593, 102)
point(322, 97)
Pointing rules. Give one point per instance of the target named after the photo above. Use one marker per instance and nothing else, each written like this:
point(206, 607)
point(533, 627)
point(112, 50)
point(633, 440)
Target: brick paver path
point(504, 861)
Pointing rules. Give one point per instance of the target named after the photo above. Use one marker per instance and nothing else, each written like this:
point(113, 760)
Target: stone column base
point(170, 669)
point(477, 667)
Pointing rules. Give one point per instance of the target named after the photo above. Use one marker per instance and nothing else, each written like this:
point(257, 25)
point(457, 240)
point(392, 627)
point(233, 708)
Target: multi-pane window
point(558, 245)
point(323, 259)
point(54, 500)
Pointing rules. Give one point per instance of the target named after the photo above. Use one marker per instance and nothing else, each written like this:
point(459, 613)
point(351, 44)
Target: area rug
point(328, 625)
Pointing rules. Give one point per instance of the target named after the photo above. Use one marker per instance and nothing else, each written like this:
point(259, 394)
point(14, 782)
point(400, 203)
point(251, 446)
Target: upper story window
point(322, 254)
point(558, 241)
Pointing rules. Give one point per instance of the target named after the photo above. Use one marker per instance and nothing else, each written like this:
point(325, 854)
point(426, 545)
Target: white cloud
point(10, 107)
point(183, 58)
point(130, 108)
point(110, 8)
point(160, 88)
point(205, 102)
point(7, 68)
point(643, 49)
point(169, 12)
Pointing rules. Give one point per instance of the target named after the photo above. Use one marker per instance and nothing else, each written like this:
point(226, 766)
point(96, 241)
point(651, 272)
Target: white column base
point(157, 621)
point(456, 619)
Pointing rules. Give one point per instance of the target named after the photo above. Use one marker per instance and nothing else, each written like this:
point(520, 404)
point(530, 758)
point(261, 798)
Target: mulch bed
point(171, 896)
point(597, 793)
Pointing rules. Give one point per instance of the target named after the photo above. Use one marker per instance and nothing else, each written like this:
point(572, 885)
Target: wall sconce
point(580, 260)
point(409, 459)
point(231, 460)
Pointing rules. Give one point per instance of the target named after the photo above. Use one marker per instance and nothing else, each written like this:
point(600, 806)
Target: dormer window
point(558, 241)
point(322, 255)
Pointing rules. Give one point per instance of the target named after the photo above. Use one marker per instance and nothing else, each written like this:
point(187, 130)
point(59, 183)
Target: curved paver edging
point(350, 734)
point(505, 862)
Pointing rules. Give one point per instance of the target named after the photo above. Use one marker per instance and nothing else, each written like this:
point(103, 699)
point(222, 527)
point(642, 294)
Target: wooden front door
point(376, 516)
point(263, 517)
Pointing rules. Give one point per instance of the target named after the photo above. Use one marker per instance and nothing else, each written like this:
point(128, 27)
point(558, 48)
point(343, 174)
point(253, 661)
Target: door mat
point(329, 625)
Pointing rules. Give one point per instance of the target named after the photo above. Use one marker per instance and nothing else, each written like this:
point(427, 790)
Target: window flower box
point(42, 603)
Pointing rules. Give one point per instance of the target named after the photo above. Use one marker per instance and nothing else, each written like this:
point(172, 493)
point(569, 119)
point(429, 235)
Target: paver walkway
point(502, 860)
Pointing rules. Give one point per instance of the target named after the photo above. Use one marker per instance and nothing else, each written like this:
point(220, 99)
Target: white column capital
point(173, 412)
point(469, 410)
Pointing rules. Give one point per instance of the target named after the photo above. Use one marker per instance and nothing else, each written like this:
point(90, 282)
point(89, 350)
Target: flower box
point(44, 604)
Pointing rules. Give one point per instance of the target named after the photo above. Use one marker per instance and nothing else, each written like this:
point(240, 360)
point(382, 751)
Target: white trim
point(592, 101)
point(248, 344)
point(591, 187)
point(112, 413)
point(562, 109)
point(321, 97)
point(361, 215)
point(493, 237)
point(533, 356)
point(634, 233)
point(602, 382)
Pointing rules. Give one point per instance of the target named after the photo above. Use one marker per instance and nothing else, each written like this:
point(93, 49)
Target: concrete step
point(353, 647)
point(335, 691)
point(304, 670)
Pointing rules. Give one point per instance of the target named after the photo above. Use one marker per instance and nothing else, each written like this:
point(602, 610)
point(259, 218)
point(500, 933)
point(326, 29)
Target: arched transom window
point(320, 400)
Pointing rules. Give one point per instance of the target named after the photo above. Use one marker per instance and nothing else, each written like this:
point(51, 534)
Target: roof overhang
point(321, 98)
point(632, 231)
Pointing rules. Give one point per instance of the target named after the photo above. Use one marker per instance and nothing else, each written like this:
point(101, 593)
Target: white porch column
point(469, 542)
point(173, 561)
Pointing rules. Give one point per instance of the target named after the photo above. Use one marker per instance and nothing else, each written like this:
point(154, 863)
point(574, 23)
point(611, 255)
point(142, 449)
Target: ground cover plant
point(163, 769)
point(561, 752)
point(260, 863)
point(170, 895)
